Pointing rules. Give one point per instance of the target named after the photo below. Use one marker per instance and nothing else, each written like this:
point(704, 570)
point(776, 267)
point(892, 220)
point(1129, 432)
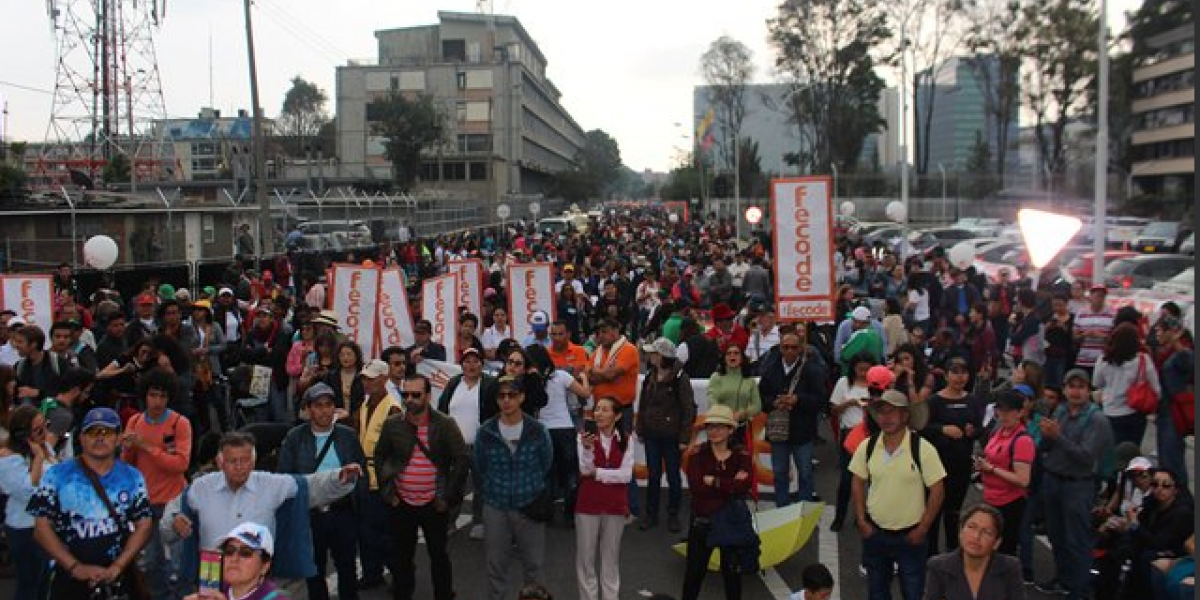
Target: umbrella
point(782, 533)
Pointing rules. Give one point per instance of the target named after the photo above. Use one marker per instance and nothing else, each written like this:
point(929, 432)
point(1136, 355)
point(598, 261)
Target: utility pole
point(266, 239)
point(1101, 208)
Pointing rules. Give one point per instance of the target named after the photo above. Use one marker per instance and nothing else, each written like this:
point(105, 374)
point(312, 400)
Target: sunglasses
point(101, 432)
point(1166, 485)
point(243, 552)
point(515, 362)
point(412, 395)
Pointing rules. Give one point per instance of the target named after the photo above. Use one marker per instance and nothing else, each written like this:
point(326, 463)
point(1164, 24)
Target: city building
point(959, 96)
point(883, 147)
point(209, 147)
point(1164, 112)
point(506, 131)
point(766, 121)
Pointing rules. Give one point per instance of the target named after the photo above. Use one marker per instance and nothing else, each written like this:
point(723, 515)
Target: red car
point(1080, 268)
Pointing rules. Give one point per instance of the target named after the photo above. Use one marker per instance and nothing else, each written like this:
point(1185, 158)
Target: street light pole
point(266, 242)
point(942, 170)
point(1101, 193)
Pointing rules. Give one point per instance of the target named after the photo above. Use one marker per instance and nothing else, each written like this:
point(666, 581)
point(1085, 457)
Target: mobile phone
point(589, 426)
point(210, 570)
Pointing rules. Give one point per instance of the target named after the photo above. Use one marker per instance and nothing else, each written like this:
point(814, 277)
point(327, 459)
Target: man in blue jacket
point(321, 445)
point(513, 454)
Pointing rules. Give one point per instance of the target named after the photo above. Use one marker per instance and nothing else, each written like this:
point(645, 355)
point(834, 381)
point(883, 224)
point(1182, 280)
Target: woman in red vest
point(605, 468)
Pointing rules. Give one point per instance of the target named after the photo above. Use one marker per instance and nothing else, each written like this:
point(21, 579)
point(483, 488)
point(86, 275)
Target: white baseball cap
point(253, 535)
point(861, 313)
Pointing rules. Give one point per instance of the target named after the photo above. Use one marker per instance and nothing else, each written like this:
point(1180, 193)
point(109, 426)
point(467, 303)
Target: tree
point(117, 170)
point(981, 182)
point(824, 52)
point(12, 181)
point(995, 36)
point(683, 183)
point(753, 183)
point(597, 170)
point(303, 114)
point(408, 126)
point(1061, 50)
point(727, 66)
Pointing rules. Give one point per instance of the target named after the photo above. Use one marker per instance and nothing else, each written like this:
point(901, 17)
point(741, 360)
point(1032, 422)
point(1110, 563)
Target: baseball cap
point(374, 368)
point(894, 398)
point(166, 291)
point(1009, 401)
point(183, 294)
point(1024, 390)
point(16, 322)
point(254, 536)
point(861, 313)
point(539, 320)
point(147, 299)
point(662, 346)
point(471, 352)
point(512, 383)
point(569, 267)
point(327, 318)
point(880, 377)
point(1140, 463)
point(224, 291)
point(101, 417)
point(1077, 374)
point(1098, 287)
point(318, 390)
point(719, 414)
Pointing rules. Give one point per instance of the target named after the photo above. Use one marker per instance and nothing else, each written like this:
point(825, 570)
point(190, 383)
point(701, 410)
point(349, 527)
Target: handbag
point(1183, 411)
point(732, 530)
point(779, 421)
point(1141, 395)
point(132, 584)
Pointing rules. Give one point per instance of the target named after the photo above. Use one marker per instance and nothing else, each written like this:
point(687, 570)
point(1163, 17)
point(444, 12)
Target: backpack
point(914, 443)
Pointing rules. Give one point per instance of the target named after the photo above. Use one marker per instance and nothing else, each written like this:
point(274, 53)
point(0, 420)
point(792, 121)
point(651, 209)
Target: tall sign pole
point(266, 238)
point(1101, 183)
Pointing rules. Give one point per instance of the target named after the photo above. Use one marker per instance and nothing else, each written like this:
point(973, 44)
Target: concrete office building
point(505, 129)
point(959, 111)
point(1164, 108)
point(766, 122)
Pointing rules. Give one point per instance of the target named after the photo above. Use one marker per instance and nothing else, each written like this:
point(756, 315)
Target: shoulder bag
point(778, 428)
point(132, 584)
point(1141, 395)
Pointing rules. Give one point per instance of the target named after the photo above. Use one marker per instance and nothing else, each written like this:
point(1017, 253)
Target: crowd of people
point(233, 442)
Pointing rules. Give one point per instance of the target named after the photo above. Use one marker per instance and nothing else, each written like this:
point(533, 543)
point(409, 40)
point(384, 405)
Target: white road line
point(827, 548)
point(775, 584)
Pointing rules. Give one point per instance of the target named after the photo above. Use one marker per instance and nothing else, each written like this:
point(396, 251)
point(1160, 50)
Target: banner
point(470, 287)
point(355, 301)
point(530, 289)
point(395, 320)
point(802, 216)
point(31, 297)
point(439, 308)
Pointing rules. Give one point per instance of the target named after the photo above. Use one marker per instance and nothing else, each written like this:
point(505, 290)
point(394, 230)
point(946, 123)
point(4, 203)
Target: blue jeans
point(660, 450)
point(626, 425)
point(1128, 428)
point(1033, 511)
point(376, 549)
point(782, 455)
point(843, 491)
point(1069, 526)
point(30, 562)
point(886, 548)
point(1170, 444)
point(158, 569)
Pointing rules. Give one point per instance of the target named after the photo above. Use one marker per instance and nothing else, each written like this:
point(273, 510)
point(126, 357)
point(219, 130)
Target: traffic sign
point(535, 208)
point(754, 214)
point(503, 211)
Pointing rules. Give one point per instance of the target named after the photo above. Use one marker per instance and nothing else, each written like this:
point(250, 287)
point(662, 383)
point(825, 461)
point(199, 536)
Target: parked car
point(335, 235)
point(555, 225)
point(1188, 245)
point(983, 227)
point(1000, 256)
point(1184, 283)
point(947, 237)
point(1159, 236)
point(1143, 271)
point(1080, 267)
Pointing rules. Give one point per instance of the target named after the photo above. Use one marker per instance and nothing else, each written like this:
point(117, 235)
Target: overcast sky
point(627, 67)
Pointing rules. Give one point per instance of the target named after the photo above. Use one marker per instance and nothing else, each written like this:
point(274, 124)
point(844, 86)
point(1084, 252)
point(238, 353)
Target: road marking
point(827, 548)
point(775, 584)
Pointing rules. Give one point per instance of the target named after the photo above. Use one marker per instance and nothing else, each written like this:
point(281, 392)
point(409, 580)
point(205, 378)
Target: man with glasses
point(92, 539)
point(513, 453)
point(425, 347)
point(378, 378)
point(1074, 442)
point(422, 462)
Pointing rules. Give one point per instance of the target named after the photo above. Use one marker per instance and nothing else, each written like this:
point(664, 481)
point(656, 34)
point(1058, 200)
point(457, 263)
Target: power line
point(302, 32)
point(27, 88)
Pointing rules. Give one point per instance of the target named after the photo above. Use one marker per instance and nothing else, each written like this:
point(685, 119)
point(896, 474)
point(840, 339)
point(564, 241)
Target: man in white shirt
point(8, 322)
point(498, 332)
point(765, 337)
point(568, 278)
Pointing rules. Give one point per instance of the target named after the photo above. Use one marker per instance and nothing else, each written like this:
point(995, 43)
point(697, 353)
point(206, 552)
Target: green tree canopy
point(302, 115)
point(408, 126)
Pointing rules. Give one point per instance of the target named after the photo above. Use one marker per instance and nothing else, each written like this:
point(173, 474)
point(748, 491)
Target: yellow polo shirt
point(896, 492)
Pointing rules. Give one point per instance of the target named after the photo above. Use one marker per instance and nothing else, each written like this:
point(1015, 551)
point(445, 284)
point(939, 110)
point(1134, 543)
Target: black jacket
point(489, 388)
point(358, 393)
point(810, 391)
point(298, 454)
point(447, 451)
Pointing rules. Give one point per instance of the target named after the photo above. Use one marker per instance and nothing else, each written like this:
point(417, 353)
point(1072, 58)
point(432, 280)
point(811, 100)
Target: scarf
point(610, 358)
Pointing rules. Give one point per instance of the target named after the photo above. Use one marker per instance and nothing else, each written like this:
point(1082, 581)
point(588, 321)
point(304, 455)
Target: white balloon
point(100, 252)
point(847, 209)
point(962, 255)
point(896, 211)
point(674, 218)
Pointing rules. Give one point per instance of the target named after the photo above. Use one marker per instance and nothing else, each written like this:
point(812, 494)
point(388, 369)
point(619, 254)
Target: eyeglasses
point(1166, 485)
point(413, 395)
point(244, 552)
point(515, 362)
point(101, 432)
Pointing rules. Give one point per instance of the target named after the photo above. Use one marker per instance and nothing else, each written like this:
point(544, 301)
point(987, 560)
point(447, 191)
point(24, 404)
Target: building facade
point(1164, 116)
point(960, 99)
point(505, 130)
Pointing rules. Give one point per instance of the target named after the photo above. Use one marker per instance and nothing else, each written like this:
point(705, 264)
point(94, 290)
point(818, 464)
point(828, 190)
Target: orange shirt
point(574, 358)
point(623, 388)
point(164, 460)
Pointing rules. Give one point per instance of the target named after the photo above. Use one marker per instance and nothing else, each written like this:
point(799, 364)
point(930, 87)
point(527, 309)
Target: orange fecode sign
point(439, 306)
point(803, 242)
point(27, 304)
point(354, 310)
point(530, 292)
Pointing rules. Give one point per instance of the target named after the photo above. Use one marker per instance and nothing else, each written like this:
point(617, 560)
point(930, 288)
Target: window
point(454, 171)
point(461, 79)
point(474, 142)
point(478, 171)
point(460, 111)
point(429, 171)
point(210, 229)
point(454, 50)
point(395, 83)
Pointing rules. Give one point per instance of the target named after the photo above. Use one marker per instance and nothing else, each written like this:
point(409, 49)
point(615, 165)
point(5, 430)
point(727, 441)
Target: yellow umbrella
point(782, 532)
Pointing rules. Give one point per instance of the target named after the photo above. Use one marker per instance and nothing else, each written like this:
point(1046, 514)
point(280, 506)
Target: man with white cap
point(539, 324)
point(860, 333)
point(897, 491)
point(321, 445)
point(84, 509)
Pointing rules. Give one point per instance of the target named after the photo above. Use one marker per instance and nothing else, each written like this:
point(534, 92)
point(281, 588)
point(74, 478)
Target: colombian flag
point(704, 131)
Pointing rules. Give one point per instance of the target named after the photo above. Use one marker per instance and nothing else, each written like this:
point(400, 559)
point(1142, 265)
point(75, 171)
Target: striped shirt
point(1096, 327)
point(417, 485)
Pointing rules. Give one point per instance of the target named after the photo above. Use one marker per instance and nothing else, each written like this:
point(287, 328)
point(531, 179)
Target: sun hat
point(662, 346)
point(719, 414)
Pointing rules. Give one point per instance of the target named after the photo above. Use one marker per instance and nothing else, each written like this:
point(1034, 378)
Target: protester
point(1006, 468)
point(664, 426)
point(246, 554)
point(975, 571)
point(605, 469)
point(732, 388)
point(793, 386)
point(1122, 365)
point(24, 458)
point(955, 423)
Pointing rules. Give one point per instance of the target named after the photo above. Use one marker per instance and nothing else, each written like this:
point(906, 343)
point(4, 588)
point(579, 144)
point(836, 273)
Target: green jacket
point(670, 328)
point(736, 391)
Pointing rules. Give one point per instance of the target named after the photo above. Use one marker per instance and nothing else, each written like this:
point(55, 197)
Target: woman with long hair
point(1116, 371)
point(605, 469)
point(731, 387)
point(847, 403)
point(559, 417)
point(912, 376)
point(346, 380)
point(918, 305)
point(518, 363)
point(210, 344)
point(22, 461)
point(666, 410)
point(955, 422)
